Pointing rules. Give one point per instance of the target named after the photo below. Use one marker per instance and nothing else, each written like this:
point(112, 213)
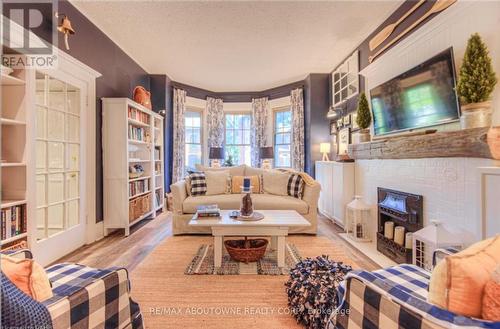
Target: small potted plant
point(476, 82)
point(363, 120)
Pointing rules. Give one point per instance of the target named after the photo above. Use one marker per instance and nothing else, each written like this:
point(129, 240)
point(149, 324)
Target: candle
point(389, 230)
point(409, 240)
point(399, 235)
point(246, 183)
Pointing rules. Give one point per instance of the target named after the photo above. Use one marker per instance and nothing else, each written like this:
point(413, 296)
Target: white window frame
point(202, 132)
point(225, 126)
point(275, 111)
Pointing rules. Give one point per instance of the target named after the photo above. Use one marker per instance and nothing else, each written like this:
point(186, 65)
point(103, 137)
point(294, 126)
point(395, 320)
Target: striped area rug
point(203, 263)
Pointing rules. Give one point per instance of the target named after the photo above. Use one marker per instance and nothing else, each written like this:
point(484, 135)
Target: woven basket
point(248, 250)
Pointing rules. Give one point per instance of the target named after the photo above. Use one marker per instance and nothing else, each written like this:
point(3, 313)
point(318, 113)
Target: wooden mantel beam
point(469, 143)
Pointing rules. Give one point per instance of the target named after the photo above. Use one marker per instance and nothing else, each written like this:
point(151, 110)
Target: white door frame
point(79, 71)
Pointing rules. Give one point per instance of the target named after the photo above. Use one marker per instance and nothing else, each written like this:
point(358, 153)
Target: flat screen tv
point(421, 97)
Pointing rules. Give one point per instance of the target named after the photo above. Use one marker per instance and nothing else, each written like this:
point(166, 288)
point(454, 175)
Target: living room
point(290, 164)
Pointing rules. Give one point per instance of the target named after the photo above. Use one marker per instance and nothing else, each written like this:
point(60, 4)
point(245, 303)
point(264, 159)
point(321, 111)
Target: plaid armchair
point(395, 297)
point(84, 297)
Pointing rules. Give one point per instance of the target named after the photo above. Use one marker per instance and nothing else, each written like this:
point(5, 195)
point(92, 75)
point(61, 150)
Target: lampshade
point(216, 153)
point(266, 152)
point(324, 147)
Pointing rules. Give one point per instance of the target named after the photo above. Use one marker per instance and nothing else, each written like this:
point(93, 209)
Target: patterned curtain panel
point(179, 136)
point(215, 120)
point(260, 110)
point(297, 108)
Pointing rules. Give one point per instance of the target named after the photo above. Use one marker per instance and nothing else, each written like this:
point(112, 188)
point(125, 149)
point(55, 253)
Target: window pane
point(56, 156)
point(41, 123)
point(41, 200)
point(55, 219)
point(40, 223)
point(41, 156)
point(282, 156)
point(193, 156)
point(72, 183)
point(282, 138)
point(73, 212)
point(55, 125)
point(238, 128)
point(56, 188)
point(73, 128)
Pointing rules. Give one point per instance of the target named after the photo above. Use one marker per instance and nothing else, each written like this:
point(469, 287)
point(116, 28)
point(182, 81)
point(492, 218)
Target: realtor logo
point(29, 33)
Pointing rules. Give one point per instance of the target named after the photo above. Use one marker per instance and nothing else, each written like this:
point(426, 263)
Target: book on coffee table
point(207, 211)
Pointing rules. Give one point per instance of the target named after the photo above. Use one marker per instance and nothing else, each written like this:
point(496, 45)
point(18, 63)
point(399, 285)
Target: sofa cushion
point(251, 171)
point(28, 276)
point(233, 171)
point(275, 182)
point(260, 202)
point(491, 298)
point(457, 282)
point(217, 182)
point(295, 186)
point(198, 183)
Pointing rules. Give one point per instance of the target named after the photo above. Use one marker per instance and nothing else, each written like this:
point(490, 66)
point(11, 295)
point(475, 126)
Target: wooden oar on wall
point(438, 6)
point(387, 31)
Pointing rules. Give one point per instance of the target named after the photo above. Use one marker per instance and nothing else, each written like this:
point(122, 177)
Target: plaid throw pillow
point(295, 186)
point(198, 183)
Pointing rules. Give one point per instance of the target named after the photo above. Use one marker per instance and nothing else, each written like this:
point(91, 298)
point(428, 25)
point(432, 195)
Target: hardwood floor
point(128, 252)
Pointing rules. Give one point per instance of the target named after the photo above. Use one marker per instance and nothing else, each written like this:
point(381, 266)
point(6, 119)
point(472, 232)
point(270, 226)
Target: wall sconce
point(333, 113)
point(65, 28)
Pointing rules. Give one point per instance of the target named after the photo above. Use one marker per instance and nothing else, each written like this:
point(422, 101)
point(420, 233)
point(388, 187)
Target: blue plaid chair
point(84, 297)
point(395, 297)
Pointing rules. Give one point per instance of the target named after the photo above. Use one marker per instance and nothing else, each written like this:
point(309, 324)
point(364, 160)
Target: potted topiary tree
point(476, 82)
point(363, 120)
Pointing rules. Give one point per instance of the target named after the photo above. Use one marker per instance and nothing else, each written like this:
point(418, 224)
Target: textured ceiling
point(237, 46)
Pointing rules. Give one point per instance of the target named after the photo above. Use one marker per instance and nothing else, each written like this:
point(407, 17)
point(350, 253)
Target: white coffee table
point(275, 225)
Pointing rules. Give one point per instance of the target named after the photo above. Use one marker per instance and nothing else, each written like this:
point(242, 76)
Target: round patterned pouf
point(312, 290)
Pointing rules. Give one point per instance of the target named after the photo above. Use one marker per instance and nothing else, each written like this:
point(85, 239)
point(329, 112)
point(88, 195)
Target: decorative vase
point(246, 209)
point(476, 115)
point(493, 140)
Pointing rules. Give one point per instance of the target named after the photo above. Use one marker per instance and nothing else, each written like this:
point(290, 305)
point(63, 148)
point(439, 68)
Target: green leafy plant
point(229, 161)
point(363, 118)
point(476, 79)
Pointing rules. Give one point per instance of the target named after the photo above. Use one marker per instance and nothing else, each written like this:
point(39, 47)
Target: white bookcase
point(132, 137)
point(14, 138)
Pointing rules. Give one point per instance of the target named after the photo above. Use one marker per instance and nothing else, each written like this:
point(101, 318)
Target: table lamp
point(266, 154)
point(216, 154)
point(325, 149)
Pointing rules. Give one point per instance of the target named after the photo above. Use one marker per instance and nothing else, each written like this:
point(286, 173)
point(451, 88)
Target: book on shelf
point(157, 153)
point(137, 115)
point(137, 133)
point(138, 187)
point(158, 199)
point(13, 221)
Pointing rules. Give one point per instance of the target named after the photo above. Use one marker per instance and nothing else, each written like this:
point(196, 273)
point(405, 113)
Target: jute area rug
point(171, 299)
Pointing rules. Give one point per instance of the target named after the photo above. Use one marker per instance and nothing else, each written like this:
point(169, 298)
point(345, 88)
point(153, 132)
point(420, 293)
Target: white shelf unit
point(14, 156)
point(158, 169)
point(120, 151)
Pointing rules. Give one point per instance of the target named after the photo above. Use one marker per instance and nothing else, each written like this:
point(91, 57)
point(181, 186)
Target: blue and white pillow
point(198, 183)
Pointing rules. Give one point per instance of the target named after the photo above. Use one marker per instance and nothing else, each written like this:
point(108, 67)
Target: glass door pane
point(57, 155)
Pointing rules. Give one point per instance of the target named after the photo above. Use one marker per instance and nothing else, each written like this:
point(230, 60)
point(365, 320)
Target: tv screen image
point(421, 97)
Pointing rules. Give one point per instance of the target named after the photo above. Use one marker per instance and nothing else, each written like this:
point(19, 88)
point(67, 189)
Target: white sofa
point(184, 205)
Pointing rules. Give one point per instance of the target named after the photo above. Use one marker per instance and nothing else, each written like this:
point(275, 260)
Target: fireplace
point(402, 209)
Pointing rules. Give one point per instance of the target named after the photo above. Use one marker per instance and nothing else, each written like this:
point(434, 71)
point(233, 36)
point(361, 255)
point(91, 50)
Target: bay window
point(282, 138)
point(193, 134)
point(237, 138)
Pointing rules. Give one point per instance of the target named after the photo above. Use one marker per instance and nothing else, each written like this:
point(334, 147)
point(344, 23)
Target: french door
point(59, 164)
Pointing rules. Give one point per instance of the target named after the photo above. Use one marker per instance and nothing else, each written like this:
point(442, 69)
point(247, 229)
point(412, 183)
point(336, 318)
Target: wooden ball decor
point(312, 290)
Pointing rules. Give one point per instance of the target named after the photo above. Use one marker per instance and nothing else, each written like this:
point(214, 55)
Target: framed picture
point(333, 127)
point(344, 140)
point(339, 123)
point(347, 120)
point(354, 124)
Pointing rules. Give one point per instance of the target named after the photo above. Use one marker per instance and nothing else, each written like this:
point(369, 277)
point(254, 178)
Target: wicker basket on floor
point(248, 250)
